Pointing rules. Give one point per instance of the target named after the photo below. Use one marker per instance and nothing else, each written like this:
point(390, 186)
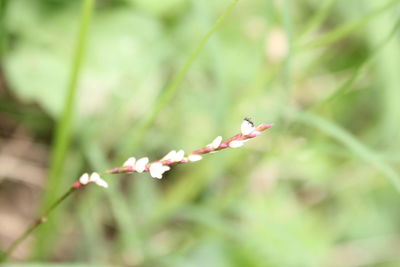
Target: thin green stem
point(35, 225)
point(286, 92)
point(3, 5)
point(64, 127)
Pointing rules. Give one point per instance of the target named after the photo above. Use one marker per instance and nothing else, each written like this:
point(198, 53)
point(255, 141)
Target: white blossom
point(180, 155)
point(194, 157)
point(130, 162)
point(174, 156)
point(247, 127)
point(95, 178)
point(170, 155)
point(236, 143)
point(216, 142)
point(157, 169)
point(140, 165)
point(84, 179)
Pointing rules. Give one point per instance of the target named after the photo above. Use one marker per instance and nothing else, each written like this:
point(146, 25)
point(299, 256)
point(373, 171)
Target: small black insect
point(249, 121)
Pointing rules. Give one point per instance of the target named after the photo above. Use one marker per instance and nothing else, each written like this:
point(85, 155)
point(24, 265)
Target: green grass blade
point(354, 145)
point(387, 76)
point(288, 25)
point(3, 33)
point(64, 131)
point(222, 89)
point(286, 90)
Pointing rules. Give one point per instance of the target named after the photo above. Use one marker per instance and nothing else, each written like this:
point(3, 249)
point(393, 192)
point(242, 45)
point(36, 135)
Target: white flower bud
point(195, 157)
point(216, 142)
point(170, 155)
point(95, 178)
point(179, 155)
point(247, 127)
point(236, 143)
point(130, 162)
point(140, 165)
point(157, 169)
point(174, 156)
point(84, 179)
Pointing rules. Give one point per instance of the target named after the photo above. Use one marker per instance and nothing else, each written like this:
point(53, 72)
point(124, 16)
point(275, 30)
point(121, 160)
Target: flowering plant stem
point(35, 225)
point(155, 168)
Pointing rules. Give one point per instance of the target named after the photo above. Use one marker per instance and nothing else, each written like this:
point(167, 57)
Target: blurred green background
point(143, 77)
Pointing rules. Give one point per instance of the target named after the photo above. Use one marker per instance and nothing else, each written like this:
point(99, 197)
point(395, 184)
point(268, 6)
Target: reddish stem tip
point(264, 127)
point(76, 185)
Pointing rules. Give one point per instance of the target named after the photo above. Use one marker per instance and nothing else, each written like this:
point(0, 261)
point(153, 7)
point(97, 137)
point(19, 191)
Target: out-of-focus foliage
point(321, 188)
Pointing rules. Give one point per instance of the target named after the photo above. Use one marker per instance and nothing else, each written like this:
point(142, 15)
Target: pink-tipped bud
point(263, 127)
point(224, 145)
point(254, 134)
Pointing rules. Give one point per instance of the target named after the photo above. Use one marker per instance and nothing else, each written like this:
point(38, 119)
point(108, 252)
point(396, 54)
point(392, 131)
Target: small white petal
point(180, 155)
point(217, 142)
point(195, 157)
point(140, 165)
point(156, 175)
point(95, 177)
point(247, 127)
point(157, 169)
point(170, 155)
point(174, 156)
point(236, 143)
point(101, 183)
point(84, 179)
point(130, 162)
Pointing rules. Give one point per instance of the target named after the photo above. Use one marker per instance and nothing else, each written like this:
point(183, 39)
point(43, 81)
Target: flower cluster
point(159, 167)
point(93, 178)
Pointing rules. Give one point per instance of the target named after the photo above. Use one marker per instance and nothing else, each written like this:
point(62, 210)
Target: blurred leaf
point(353, 145)
point(348, 28)
point(163, 8)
